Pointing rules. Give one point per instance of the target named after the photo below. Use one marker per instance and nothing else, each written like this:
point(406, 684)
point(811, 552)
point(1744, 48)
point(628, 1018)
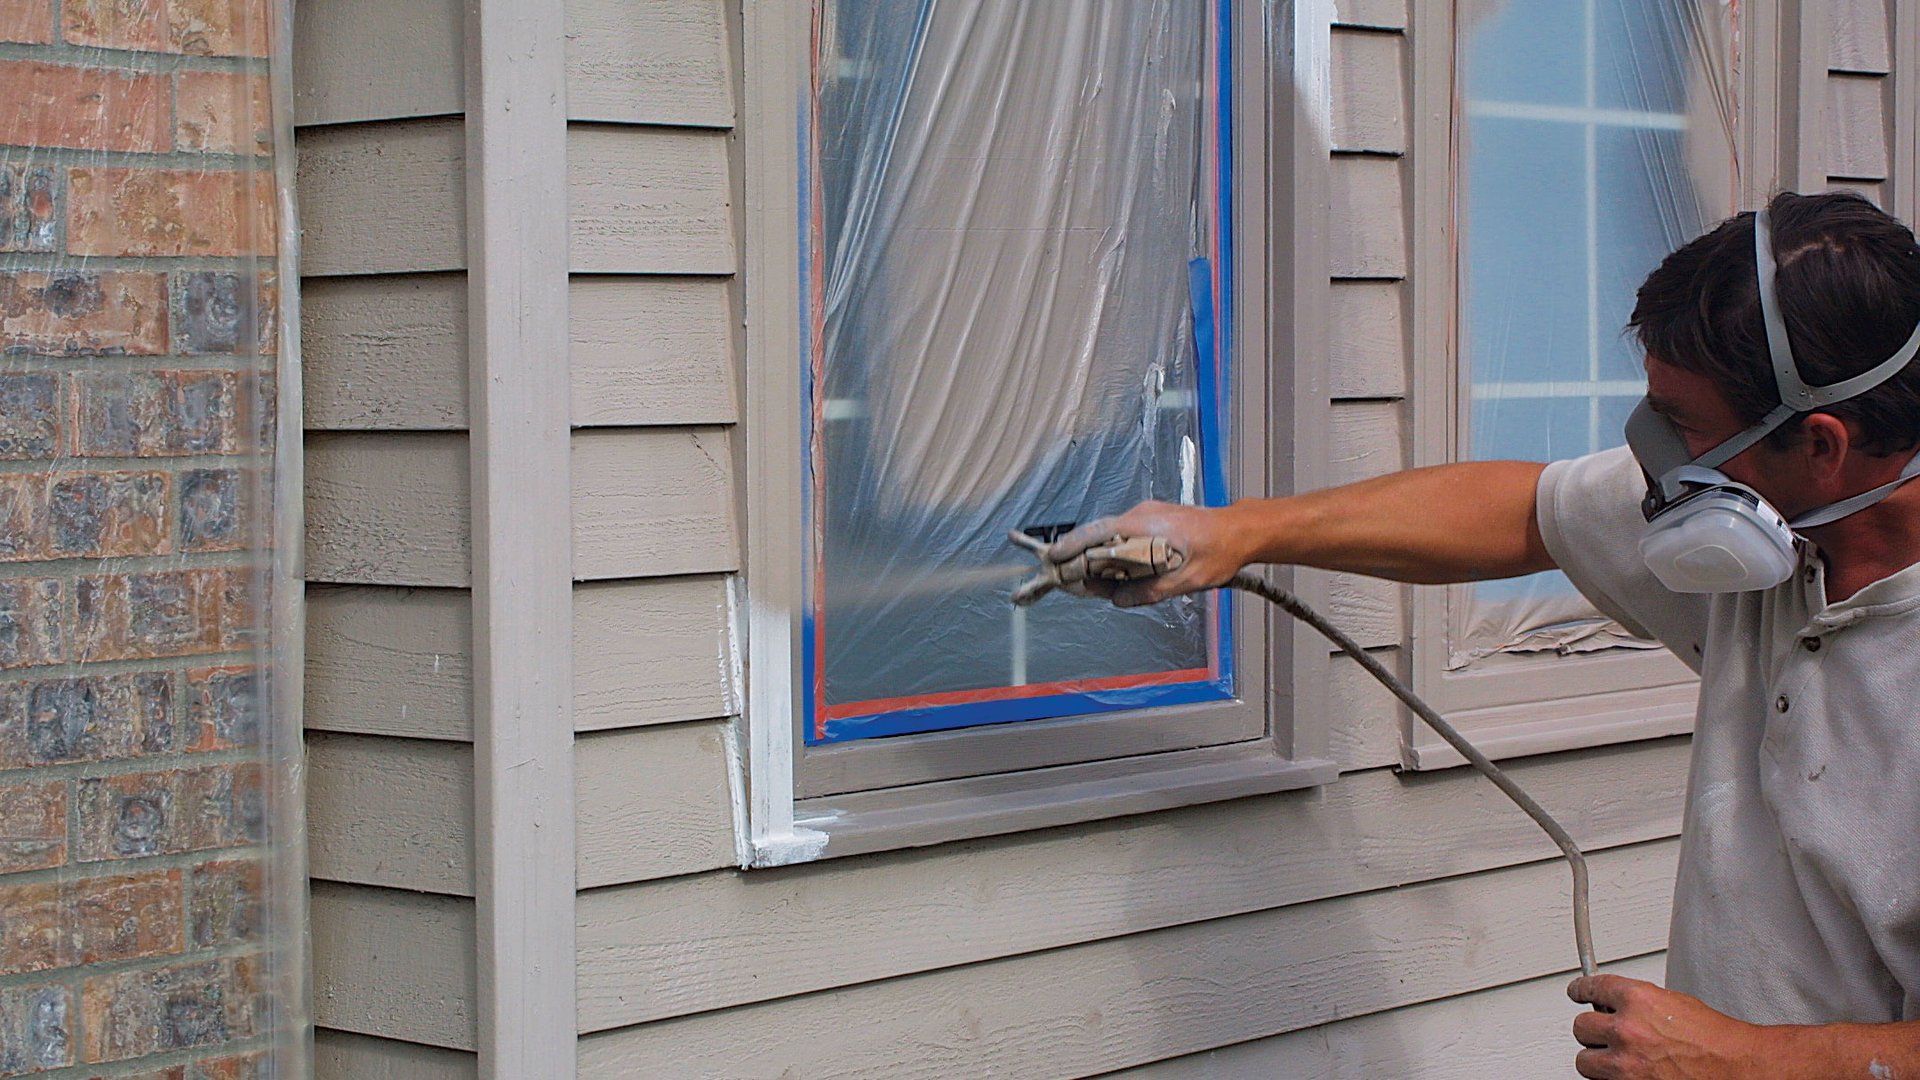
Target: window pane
point(1008, 203)
point(1596, 136)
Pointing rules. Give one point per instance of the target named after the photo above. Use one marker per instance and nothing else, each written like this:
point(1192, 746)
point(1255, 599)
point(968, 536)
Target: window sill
point(1510, 731)
point(923, 814)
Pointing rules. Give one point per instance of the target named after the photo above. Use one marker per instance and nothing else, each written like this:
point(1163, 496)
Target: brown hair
point(1849, 290)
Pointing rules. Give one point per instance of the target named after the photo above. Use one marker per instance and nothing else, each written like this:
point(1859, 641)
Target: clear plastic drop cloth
point(152, 874)
point(1596, 136)
point(1015, 270)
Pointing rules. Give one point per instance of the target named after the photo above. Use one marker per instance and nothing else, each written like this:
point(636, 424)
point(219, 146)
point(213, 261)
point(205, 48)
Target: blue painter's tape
point(1053, 706)
point(1213, 465)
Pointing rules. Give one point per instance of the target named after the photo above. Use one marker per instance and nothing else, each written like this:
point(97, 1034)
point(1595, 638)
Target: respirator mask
point(1708, 534)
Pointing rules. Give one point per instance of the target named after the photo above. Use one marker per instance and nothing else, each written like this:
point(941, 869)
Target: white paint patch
point(1879, 1071)
point(1189, 470)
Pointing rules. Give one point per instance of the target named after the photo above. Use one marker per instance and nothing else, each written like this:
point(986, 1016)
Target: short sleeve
point(1590, 518)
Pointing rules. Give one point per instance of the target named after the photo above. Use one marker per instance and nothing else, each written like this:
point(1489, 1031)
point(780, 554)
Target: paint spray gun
point(1131, 558)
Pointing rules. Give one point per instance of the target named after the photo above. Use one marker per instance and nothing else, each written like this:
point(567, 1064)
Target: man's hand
point(1215, 550)
point(1641, 1031)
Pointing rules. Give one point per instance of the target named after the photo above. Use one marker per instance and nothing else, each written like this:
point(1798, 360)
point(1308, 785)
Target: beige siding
point(1110, 1005)
point(389, 700)
point(394, 964)
point(665, 62)
point(358, 60)
point(1856, 133)
point(1394, 906)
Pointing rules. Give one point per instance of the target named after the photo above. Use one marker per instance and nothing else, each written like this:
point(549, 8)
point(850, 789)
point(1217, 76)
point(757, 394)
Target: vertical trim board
point(359, 60)
point(664, 62)
point(387, 352)
point(382, 198)
point(522, 594)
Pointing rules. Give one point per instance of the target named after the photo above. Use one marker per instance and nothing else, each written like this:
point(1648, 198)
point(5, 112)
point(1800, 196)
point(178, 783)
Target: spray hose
point(1294, 606)
point(1123, 559)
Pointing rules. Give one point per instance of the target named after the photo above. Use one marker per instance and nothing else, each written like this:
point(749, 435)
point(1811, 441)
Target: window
point(987, 290)
point(1590, 138)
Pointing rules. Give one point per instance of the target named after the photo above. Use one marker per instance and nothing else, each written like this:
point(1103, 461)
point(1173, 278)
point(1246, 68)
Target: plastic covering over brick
point(1015, 272)
point(1596, 137)
point(151, 874)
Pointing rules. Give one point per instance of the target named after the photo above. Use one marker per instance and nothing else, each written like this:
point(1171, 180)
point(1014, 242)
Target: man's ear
point(1828, 441)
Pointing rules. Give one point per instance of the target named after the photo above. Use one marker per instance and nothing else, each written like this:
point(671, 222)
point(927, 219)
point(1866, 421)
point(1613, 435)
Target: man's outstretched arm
point(1464, 522)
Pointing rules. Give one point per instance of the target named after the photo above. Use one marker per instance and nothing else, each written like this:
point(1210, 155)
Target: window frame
point(1541, 704)
point(805, 802)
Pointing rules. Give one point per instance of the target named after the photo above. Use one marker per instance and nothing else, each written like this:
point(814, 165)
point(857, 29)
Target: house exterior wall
point(139, 803)
point(1340, 932)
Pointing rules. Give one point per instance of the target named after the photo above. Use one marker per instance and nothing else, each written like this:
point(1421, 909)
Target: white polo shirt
point(1798, 897)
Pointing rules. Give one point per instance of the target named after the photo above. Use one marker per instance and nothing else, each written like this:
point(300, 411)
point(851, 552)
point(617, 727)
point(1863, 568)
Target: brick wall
point(136, 346)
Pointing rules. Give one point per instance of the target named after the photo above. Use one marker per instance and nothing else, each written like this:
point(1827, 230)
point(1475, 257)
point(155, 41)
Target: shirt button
point(1780, 703)
point(1812, 574)
point(1811, 644)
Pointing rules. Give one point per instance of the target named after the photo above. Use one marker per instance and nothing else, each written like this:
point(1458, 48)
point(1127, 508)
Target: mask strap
point(1827, 515)
point(1795, 394)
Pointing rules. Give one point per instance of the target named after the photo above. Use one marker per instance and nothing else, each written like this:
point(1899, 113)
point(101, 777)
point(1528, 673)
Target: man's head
point(1849, 288)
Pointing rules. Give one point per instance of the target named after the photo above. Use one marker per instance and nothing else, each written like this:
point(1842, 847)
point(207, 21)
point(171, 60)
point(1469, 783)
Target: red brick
point(29, 21)
point(108, 515)
point(23, 516)
point(33, 826)
point(29, 208)
point(89, 108)
point(219, 27)
point(223, 112)
point(162, 212)
point(148, 615)
point(116, 24)
point(226, 904)
point(91, 718)
point(210, 510)
point(223, 707)
point(220, 313)
point(135, 1013)
point(244, 598)
point(30, 416)
point(167, 812)
point(75, 312)
point(30, 921)
point(36, 1026)
point(32, 622)
point(254, 1066)
point(130, 917)
point(156, 413)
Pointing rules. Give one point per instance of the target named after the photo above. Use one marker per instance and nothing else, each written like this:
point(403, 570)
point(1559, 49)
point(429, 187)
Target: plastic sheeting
point(1018, 286)
point(1598, 135)
point(150, 651)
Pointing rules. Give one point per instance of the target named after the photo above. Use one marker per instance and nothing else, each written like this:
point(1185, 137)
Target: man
point(1795, 944)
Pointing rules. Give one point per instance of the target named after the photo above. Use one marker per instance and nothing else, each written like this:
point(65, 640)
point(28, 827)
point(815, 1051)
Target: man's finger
point(1597, 1064)
point(1092, 534)
point(1606, 991)
point(1594, 1030)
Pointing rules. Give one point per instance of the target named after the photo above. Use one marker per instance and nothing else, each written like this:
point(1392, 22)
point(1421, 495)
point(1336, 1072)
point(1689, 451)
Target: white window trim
point(1519, 708)
point(1288, 161)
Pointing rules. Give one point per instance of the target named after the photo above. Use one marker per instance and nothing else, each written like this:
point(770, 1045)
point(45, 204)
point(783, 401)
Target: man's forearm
point(1464, 522)
point(1831, 1051)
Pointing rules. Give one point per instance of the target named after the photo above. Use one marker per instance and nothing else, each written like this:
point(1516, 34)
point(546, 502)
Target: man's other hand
point(1640, 1031)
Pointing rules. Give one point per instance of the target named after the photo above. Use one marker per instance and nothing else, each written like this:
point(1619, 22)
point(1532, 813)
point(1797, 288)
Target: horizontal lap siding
point(1061, 952)
point(382, 162)
point(1856, 122)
